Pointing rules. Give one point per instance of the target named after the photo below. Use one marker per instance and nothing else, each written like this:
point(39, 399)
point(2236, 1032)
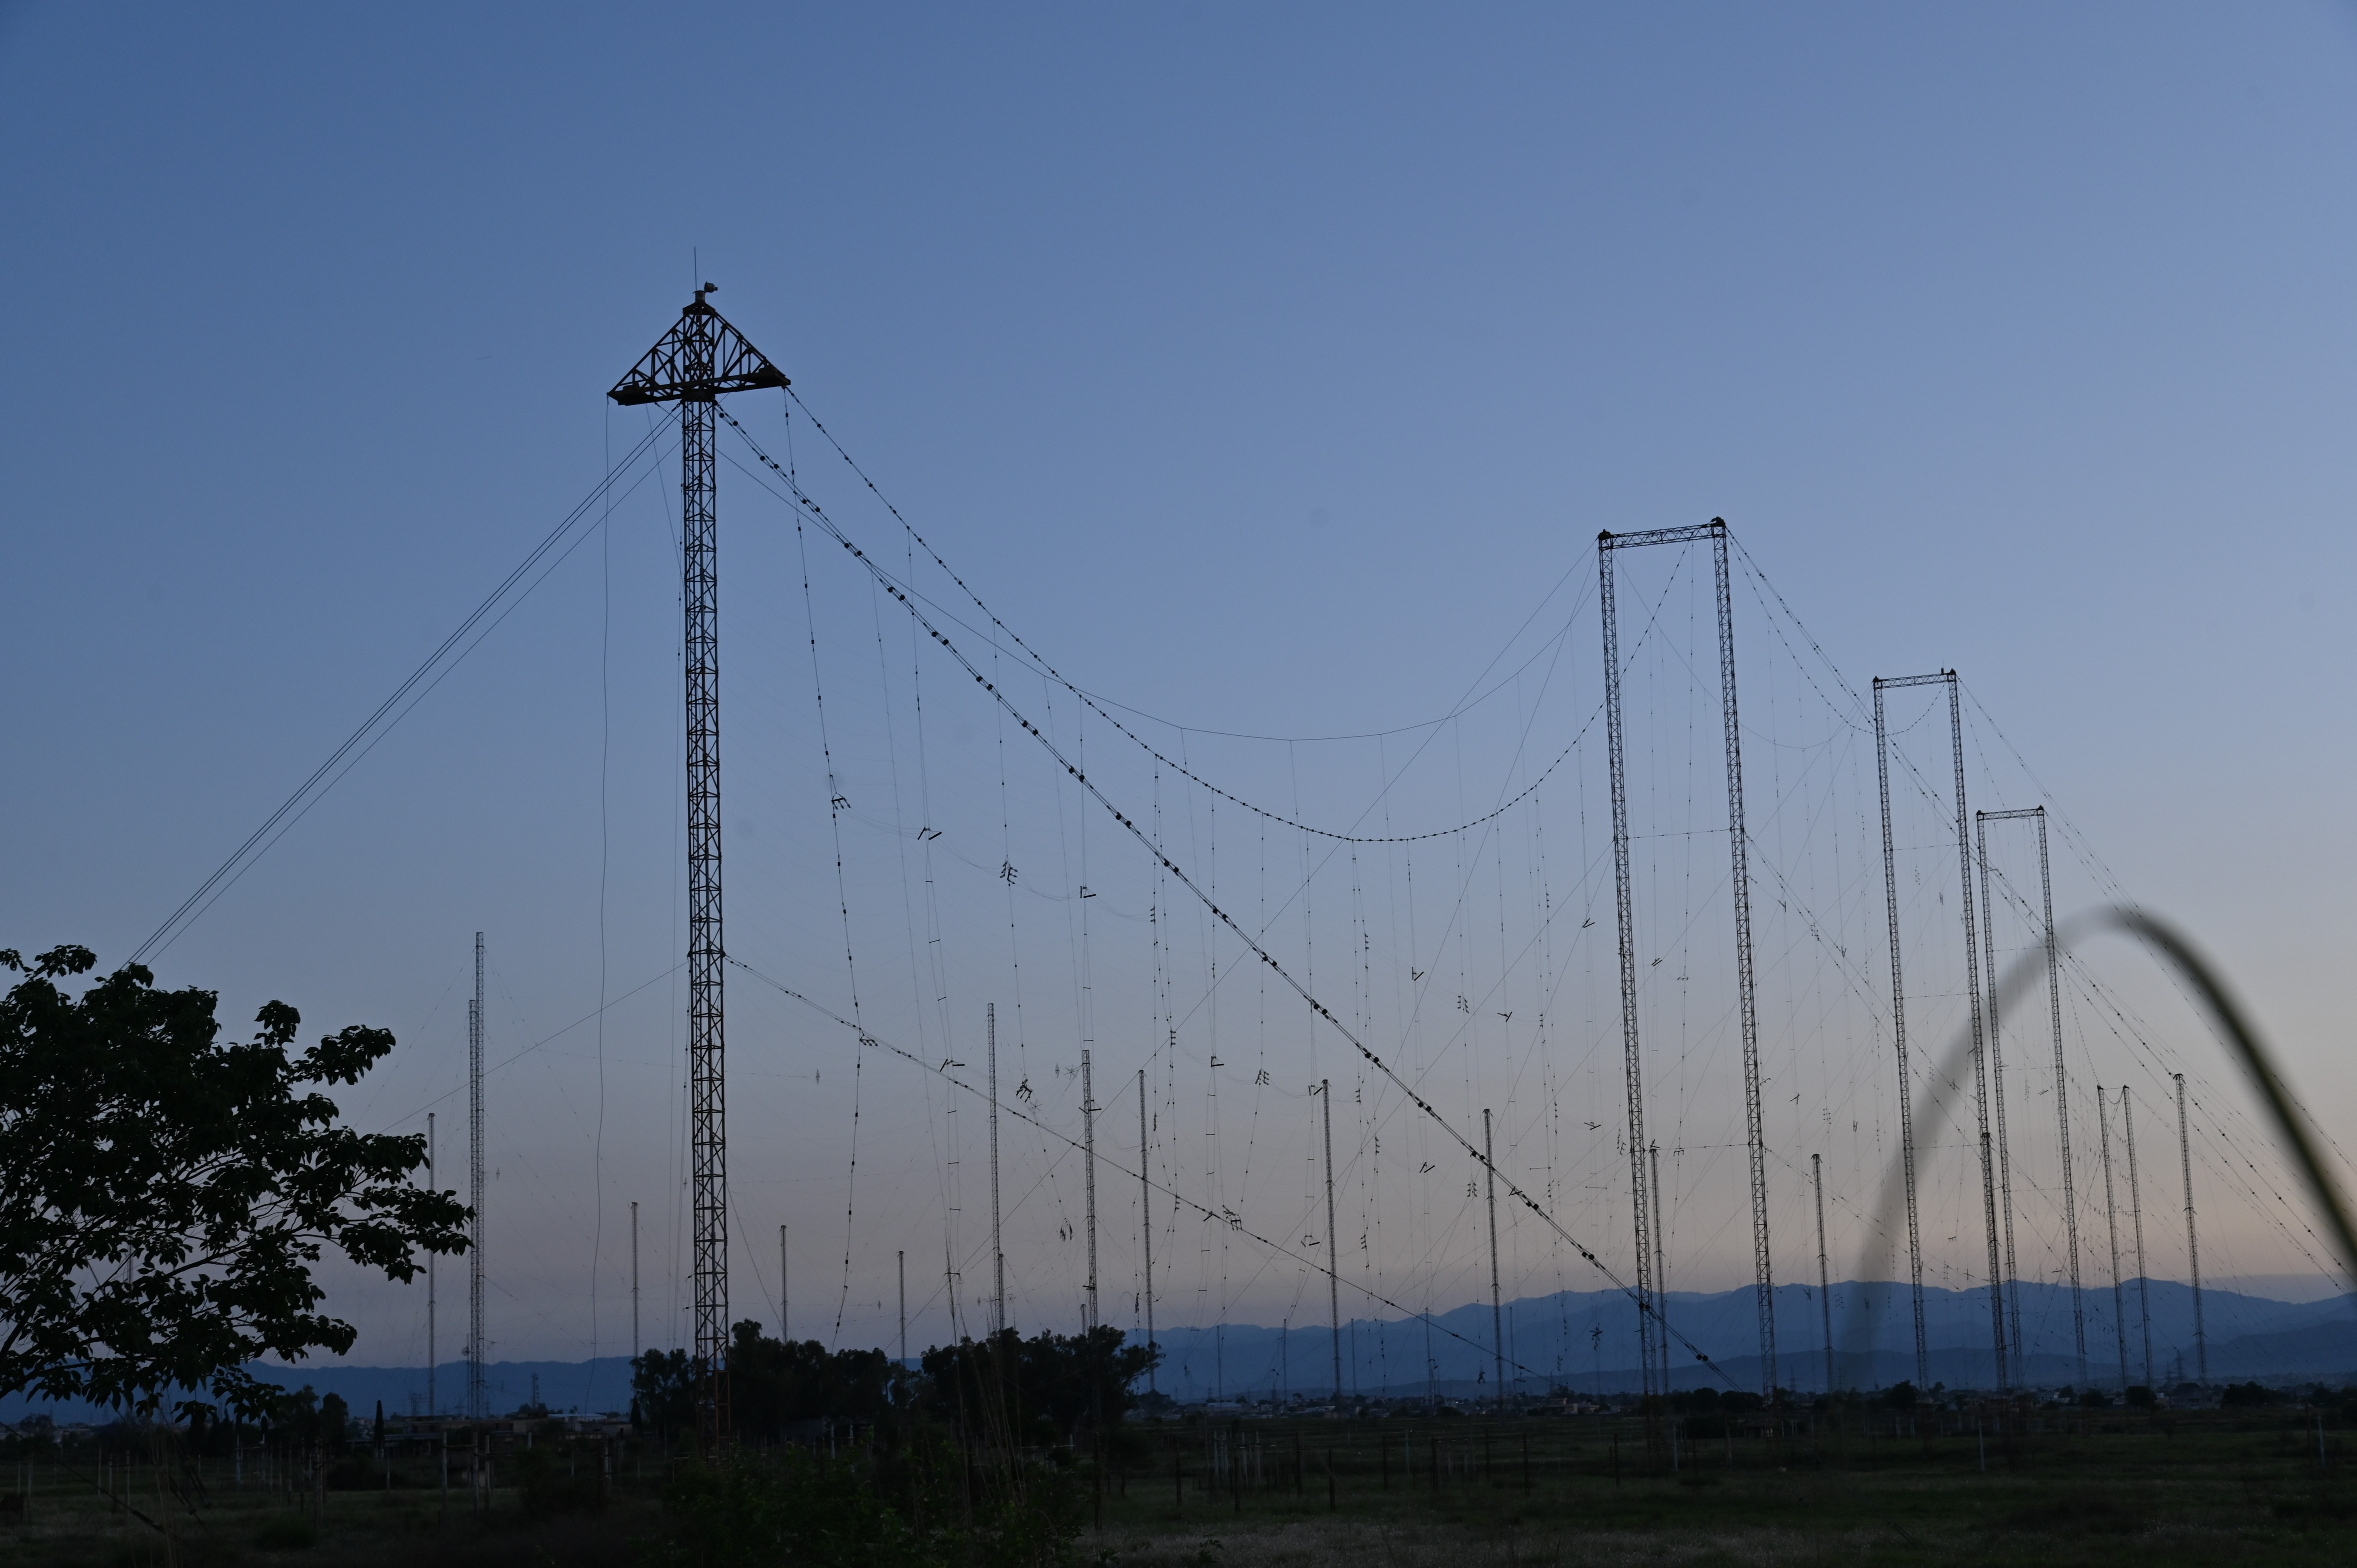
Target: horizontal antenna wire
point(1039, 662)
point(311, 791)
point(890, 586)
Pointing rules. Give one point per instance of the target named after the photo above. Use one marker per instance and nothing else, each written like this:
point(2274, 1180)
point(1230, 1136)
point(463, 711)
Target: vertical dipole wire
point(997, 1246)
point(2061, 1096)
point(636, 1346)
point(1333, 1242)
point(1633, 1064)
point(903, 1256)
point(2136, 1219)
point(785, 1317)
point(2111, 1230)
point(1997, 1083)
point(1738, 845)
point(1089, 1164)
point(1497, 1310)
point(1898, 1043)
point(1145, 1217)
point(475, 1390)
point(1824, 1285)
point(2192, 1241)
point(1980, 1052)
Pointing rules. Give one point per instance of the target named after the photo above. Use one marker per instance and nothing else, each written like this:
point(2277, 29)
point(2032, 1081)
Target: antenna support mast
point(1089, 1164)
point(2061, 1074)
point(1738, 849)
point(1333, 1244)
point(2192, 1241)
point(699, 359)
point(1899, 1017)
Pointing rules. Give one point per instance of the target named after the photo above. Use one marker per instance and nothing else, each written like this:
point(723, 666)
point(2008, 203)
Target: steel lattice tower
point(2062, 1080)
point(698, 359)
point(475, 1391)
point(1898, 1018)
point(1997, 1090)
point(2112, 1231)
point(2192, 1241)
point(1738, 849)
point(2136, 1216)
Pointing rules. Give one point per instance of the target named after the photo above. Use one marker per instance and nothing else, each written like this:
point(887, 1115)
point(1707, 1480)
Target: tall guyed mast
point(698, 360)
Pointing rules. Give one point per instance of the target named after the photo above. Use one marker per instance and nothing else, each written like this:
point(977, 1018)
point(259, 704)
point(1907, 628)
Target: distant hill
point(1555, 1338)
point(1586, 1340)
point(600, 1385)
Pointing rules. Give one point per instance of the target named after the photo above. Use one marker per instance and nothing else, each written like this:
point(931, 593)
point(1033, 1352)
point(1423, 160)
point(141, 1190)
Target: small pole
point(1824, 1289)
point(1089, 1144)
point(430, 1291)
point(1146, 1217)
point(2192, 1243)
point(998, 1248)
point(634, 1284)
point(904, 1308)
point(1333, 1263)
point(1497, 1319)
point(785, 1336)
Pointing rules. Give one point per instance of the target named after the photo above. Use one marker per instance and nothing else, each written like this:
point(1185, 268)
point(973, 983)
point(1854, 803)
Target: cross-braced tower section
point(2045, 918)
point(1608, 546)
point(1898, 1023)
point(701, 358)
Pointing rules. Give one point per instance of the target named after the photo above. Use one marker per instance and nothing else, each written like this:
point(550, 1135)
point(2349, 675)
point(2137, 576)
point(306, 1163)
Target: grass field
point(2204, 1488)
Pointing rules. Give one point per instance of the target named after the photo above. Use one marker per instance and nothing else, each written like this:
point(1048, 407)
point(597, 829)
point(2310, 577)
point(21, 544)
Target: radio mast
point(698, 359)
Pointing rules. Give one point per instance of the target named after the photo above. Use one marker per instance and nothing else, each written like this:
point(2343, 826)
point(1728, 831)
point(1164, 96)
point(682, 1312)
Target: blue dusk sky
point(1270, 370)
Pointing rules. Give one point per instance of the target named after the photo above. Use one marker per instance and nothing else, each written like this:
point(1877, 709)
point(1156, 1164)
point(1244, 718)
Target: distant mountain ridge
point(1585, 1340)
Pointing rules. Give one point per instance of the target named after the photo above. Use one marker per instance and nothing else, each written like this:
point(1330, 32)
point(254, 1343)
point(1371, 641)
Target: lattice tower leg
point(2136, 1219)
point(2061, 1101)
point(1996, 1086)
point(1738, 845)
point(1980, 1071)
point(2111, 1230)
point(1633, 1064)
point(2193, 1240)
point(1899, 1044)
